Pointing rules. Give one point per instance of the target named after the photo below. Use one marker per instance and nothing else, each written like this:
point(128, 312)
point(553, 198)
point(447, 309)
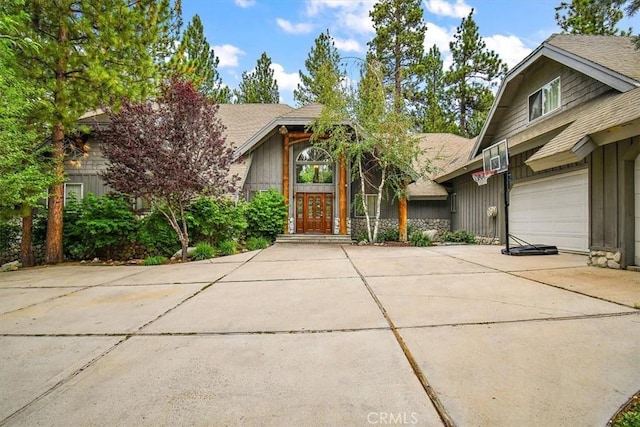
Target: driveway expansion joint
point(64, 380)
point(431, 394)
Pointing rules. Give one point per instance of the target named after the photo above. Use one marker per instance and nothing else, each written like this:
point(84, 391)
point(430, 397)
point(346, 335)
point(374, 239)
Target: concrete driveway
point(322, 335)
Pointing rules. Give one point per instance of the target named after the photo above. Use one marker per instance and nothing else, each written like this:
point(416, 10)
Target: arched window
point(314, 166)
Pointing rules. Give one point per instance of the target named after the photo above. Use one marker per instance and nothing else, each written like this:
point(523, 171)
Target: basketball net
point(481, 177)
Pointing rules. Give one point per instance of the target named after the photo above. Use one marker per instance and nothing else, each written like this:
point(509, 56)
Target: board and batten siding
point(473, 200)
point(266, 166)
point(87, 173)
point(575, 89)
point(612, 197)
point(469, 210)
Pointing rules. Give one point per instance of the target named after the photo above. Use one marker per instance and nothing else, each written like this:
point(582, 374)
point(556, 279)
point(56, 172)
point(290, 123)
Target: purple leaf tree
point(168, 152)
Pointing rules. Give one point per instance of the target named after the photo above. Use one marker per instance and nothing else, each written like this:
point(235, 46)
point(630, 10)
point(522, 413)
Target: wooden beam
point(402, 218)
point(285, 176)
point(342, 193)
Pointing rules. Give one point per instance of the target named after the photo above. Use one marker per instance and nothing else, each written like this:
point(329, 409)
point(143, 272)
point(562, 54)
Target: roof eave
point(468, 167)
point(609, 77)
point(268, 128)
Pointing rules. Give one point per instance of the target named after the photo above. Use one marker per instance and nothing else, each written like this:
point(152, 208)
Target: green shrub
point(266, 215)
point(389, 235)
point(9, 235)
point(203, 251)
point(628, 419)
point(155, 260)
point(214, 220)
point(157, 236)
point(459, 236)
point(227, 247)
point(418, 238)
point(39, 227)
point(361, 237)
point(255, 243)
point(98, 226)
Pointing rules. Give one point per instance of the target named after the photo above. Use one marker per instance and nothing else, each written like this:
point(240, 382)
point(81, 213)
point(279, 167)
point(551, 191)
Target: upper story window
point(544, 100)
point(314, 166)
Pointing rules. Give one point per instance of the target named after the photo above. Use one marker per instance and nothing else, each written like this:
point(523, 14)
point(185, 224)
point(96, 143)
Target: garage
point(552, 211)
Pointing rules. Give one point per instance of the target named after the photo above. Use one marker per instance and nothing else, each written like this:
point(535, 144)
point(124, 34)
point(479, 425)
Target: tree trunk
point(54, 252)
point(185, 249)
point(402, 218)
point(26, 254)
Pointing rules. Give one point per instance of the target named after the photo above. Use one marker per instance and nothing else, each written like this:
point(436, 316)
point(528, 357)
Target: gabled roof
point(610, 52)
point(612, 60)
point(245, 120)
point(443, 151)
point(302, 116)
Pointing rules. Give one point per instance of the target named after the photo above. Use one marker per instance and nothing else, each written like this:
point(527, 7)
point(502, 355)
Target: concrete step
point(331, 239)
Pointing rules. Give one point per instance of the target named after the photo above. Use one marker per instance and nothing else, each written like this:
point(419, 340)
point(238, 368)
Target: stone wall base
point(605, 259)
point(359, 230)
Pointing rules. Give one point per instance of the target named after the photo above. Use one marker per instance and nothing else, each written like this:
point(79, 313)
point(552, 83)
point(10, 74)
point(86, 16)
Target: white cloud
point(510, 48)
point(316, 6)
point(288, 27)
point(245, 3)
point(358, 21)
point(228, 55)
point(350, 15)
point(459, 9)
point(439, 36)
point(348, 45)
point(286, 81)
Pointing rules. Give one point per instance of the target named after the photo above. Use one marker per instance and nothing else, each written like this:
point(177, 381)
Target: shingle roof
point(245, 120)
point(612, 52)
point(309, 111)
point(443, 151)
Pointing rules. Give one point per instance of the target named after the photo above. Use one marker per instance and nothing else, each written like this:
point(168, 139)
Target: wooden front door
point(314, 213)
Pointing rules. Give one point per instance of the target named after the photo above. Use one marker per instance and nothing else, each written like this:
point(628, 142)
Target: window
point(314, 166)
point(545, 100)
point(453, 197)
point(372, 202)
point(73, 190)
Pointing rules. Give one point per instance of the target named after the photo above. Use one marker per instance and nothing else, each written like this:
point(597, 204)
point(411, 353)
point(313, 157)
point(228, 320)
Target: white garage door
point(552, 211)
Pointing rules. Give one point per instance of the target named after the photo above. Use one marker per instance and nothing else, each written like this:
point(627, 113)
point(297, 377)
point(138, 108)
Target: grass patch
point(155, 260)
point(255, 243)
point(203, 251)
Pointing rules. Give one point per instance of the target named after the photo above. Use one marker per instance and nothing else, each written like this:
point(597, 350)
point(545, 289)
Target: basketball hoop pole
point(505, 180)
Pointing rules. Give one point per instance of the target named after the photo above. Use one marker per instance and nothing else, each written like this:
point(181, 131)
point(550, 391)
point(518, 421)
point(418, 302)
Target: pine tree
point(399, 46)
point(164, 49)
point(474, 71)
point(589, 17)
point(322, 55)
point(88, 54)
point(25, 175)
point(258, 86)
point(433, 113)
point(196, 61)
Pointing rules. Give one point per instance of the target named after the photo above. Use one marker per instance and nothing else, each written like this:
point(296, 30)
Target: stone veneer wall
point(605, 259)
point(358, 225)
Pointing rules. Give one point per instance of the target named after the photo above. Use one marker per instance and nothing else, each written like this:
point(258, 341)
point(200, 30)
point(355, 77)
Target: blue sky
point(240, 30)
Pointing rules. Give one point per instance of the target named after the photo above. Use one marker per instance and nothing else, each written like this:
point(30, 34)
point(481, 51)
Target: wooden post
point(285, 177)
point(342, 192)
point(402, 218)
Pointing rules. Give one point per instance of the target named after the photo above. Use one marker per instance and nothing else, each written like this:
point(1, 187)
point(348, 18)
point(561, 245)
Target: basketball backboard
point(496, 157)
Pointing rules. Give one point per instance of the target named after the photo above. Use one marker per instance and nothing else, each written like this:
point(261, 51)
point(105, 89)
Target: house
point(570, 114)
point(273, 150)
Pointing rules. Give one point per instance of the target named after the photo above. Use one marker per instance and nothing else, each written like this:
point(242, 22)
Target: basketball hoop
point(481, 177)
